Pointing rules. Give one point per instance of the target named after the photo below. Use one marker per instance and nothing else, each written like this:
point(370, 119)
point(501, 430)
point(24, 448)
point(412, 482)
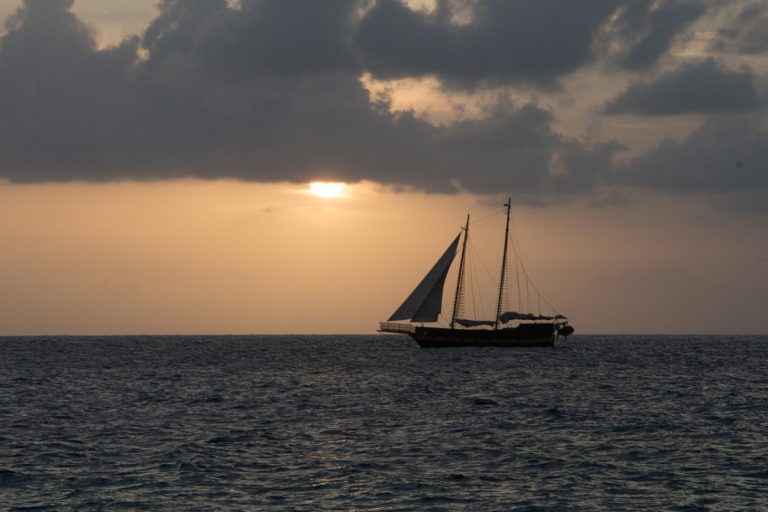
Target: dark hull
point(524, 335)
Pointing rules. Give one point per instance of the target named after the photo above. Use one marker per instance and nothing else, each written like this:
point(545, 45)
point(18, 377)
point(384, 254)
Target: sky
point(155, 160)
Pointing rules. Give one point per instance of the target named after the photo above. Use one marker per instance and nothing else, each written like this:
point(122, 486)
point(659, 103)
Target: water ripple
point(374, 423)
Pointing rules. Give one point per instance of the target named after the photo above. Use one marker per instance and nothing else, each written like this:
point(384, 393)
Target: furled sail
point(514, 315)
point(465, 322)
point(425, 302)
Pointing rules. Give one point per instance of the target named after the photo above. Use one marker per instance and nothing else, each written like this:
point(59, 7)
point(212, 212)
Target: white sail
point(425, 302)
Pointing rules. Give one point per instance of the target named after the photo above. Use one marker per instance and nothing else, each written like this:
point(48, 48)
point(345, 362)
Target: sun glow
point(327, 189)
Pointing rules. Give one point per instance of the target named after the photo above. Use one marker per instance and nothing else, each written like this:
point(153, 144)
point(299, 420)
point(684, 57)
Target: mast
point(460, 280)
point(503, 278)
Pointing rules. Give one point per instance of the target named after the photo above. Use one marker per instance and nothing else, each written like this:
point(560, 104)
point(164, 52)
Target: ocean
point(374, 423)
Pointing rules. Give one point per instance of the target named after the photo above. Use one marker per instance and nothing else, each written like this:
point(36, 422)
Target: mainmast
point(457, 300)
point(503, 279)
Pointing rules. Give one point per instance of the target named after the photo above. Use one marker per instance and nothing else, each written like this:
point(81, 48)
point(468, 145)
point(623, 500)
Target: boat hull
point(525, 335)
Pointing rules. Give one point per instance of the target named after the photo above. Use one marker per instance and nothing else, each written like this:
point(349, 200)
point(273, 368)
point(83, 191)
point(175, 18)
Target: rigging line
point(459, 296)
point(467, 280)
point(481, 300)
point(477, 295)
point(507, 297)
point(517, 276)
point(470, 265)
point(475, 284)
point(507, 293)
point(503, 281)
point(528, 279)
point(486, 217)
point(516, 254)
point(467, 283)
point(515, 245)
point(487, 271)
point(472, 290)
point(504, 285)
point(528, 294)
point(482, 263)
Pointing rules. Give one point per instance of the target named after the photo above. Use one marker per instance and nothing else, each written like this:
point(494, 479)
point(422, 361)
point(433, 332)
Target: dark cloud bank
point(729, 153)
point(747, 32)
point(699, 87)
point(271, 92)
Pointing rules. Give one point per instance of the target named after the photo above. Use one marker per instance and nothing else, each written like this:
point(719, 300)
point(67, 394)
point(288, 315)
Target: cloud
point(726, 159)
point(529, 42)
point(747, 32)
point(266, 92)
point(746, 202)
point(260, 37)
point(642, 32)
point(728, 154)
point(696, 87)
point(505, 41)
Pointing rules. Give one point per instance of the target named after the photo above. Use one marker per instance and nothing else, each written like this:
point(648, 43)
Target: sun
point(327, 189)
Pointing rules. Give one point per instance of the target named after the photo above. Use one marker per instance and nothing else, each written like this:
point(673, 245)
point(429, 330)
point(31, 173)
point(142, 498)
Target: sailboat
point(506, 329)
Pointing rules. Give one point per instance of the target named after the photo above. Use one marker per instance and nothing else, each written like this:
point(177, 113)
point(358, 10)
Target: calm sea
point(375, 423)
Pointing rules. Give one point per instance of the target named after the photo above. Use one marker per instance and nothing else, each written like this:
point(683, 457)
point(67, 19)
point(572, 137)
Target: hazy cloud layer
point(289, 37)
point(747, 32)
point(697, 87)
point(271, 91)
point(643, 31)
point(726, 158)
point(727, 154)
point(529, 41)
point(268, 93)
point(519, 41)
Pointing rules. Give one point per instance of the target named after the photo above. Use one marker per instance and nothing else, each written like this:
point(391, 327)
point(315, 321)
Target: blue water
point(375, 423)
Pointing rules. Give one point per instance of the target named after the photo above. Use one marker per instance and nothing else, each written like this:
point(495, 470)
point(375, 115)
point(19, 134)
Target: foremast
point(503, 278)
point(459, 297)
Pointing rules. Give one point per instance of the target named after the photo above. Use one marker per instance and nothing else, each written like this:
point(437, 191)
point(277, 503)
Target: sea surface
point(374, 423)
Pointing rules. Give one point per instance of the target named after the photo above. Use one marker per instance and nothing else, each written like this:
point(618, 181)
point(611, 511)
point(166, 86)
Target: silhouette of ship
point(507, 329)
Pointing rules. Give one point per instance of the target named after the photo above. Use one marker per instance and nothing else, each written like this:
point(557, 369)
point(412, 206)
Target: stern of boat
point(396, 328)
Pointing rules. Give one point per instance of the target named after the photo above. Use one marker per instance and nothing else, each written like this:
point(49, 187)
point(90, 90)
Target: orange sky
point(228, 257)
point(660, 226)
